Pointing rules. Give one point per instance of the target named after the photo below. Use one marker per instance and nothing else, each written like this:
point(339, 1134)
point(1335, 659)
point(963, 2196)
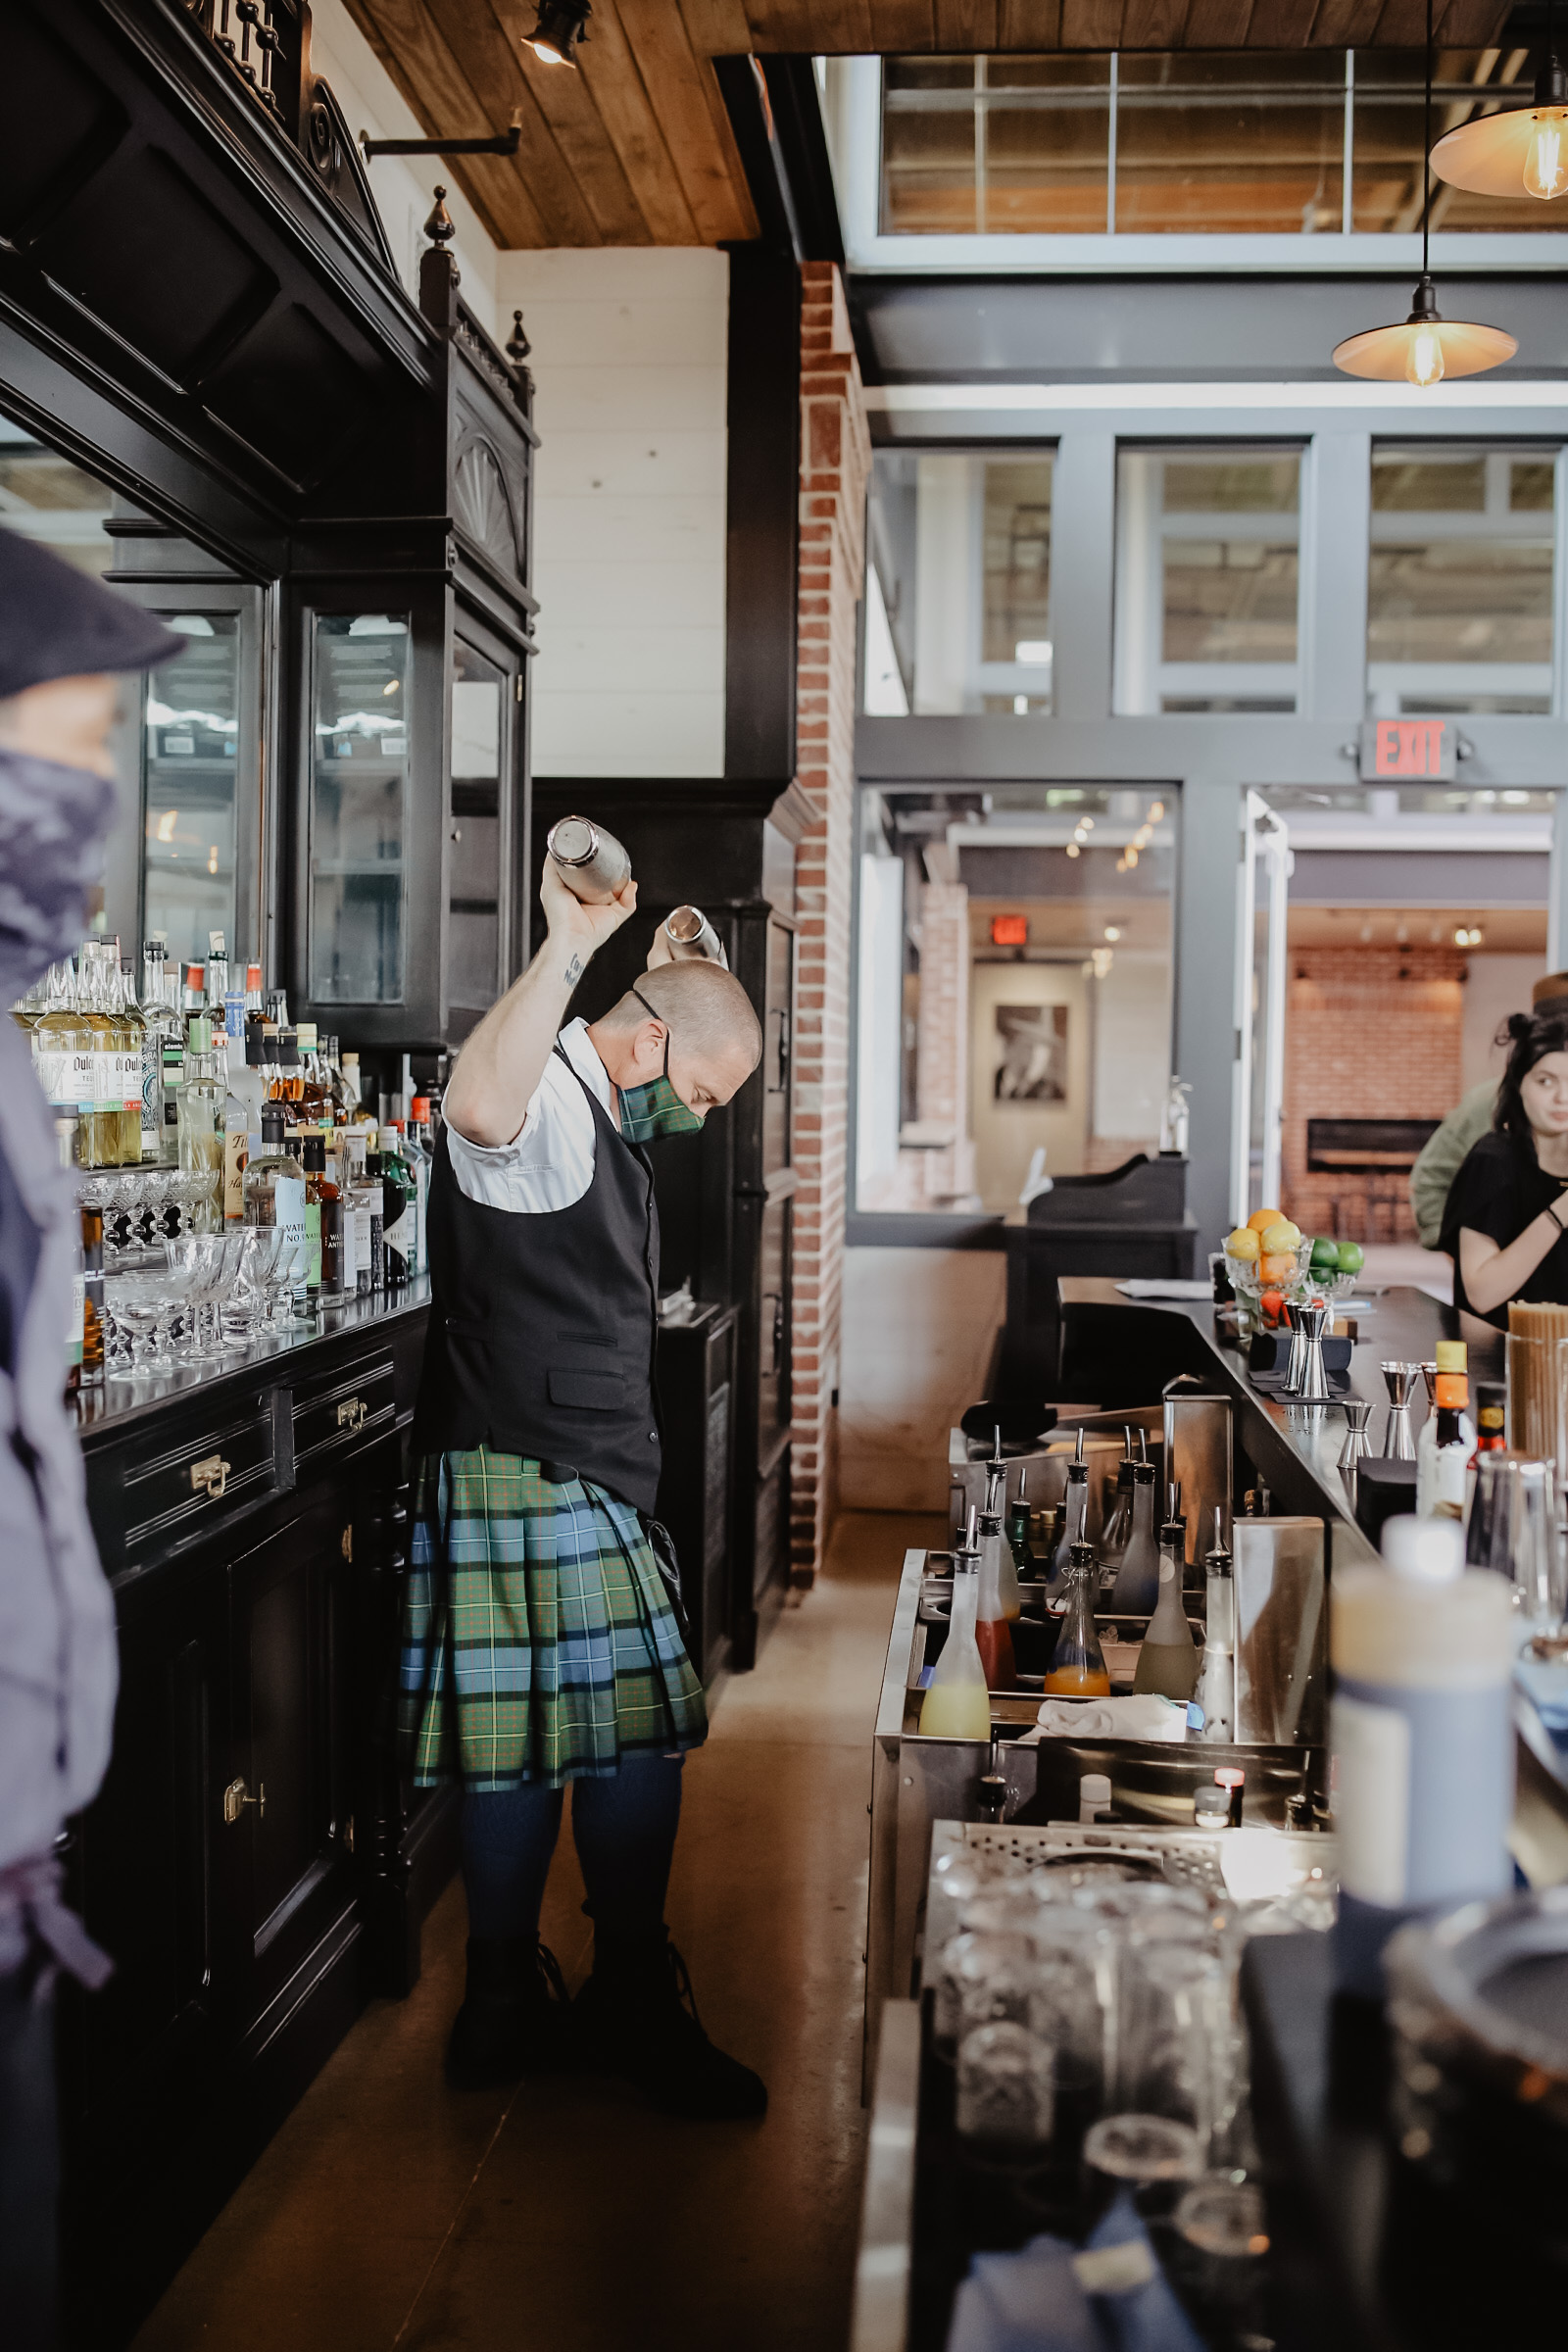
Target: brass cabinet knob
point(236, 1797)
point(353, 1413)
point(211, 1475)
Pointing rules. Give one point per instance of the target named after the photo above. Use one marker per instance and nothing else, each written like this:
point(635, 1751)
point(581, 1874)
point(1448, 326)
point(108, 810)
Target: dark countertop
point(117, 1408)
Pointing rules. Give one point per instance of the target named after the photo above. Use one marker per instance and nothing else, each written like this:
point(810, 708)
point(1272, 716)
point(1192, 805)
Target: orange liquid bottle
point(1078, 1667)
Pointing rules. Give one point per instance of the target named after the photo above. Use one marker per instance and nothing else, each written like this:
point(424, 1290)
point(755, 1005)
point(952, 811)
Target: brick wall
point(1369, 1033)
point(942, 1042)
point(835, 460)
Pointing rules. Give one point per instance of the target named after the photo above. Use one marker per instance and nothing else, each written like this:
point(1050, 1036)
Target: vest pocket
point(598, 1391)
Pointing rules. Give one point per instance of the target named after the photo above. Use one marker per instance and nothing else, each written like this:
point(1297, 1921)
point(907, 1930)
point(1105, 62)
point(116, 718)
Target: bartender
point(1505, 1224)
point(543, 1635)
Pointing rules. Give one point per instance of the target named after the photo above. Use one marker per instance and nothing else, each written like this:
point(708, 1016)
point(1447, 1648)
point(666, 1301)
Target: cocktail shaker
point(692, 938)
point(590, 861)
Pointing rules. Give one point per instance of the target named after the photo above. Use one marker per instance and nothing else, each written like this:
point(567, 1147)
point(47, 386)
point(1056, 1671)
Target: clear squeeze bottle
point(1137, 1586)
point(957, 1704)
point(1007, 1566)
point(1074, 1530)
point(1078, 1667)
point(993, 1635)
point(1167, 1660)
point(1216, 1681)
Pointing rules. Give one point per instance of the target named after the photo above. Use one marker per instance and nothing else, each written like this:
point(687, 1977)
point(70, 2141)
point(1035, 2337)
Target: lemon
point(1243, 1242)
point(1280, 1238)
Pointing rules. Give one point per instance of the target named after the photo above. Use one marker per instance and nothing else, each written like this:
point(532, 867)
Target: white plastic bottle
point(1447, 1437)
point(1217, 1683)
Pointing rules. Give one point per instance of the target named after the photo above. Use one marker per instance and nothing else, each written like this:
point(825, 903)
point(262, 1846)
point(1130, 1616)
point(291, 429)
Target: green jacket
point(1444, 1155)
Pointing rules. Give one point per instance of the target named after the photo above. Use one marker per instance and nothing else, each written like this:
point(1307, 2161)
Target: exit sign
point(1403, 751)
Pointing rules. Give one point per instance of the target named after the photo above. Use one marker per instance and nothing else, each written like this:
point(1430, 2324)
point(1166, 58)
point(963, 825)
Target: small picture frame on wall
point(1033, 1062)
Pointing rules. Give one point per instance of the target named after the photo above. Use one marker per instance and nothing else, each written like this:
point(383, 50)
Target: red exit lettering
point(1410, 747)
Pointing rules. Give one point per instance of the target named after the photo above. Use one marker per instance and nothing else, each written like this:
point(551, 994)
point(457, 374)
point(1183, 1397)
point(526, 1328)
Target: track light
point(1425, 347)
point(562, 25)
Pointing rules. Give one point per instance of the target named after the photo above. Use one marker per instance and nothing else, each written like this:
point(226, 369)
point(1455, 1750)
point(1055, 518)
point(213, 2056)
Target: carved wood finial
point(440, 229)
point(517, 343)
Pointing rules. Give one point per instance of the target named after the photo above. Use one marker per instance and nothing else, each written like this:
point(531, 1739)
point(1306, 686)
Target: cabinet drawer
point(336, 1413)
point(214, 1469)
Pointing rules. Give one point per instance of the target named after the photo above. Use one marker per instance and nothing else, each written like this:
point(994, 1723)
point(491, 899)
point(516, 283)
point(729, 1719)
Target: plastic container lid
point(1452, 1356)
point(1093, 1788)
point(420, 1109)
point(1426, 1551)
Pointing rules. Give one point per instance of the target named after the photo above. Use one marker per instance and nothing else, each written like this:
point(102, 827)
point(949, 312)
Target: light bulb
point(547, 53)
point(1544, 174)
point(1423, 362)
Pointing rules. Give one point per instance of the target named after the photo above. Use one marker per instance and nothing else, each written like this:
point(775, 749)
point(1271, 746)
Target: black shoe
point(516, 2016)
point(636, 2015)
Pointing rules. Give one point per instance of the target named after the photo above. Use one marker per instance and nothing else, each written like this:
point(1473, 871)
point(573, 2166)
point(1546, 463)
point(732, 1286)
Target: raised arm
point(499, 1069)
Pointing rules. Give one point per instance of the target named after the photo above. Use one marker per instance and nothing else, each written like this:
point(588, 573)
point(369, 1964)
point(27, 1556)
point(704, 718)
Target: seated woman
point(1507, 1221)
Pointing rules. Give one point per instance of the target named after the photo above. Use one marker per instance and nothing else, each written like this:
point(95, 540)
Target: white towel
point(1143, 1716)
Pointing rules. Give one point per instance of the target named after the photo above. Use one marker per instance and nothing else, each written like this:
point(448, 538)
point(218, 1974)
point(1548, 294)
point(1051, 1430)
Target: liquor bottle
point(274, 1181)
point(216, 978)
point(323, 1220)
point(154, 1032)
point(1167, 1657)
point(315, 1092)
point(399, 1213)
point(201, 1097)
point(276, 1008)
point(1448, 1439)
point(1137, 1586)
point(1019, 1517)
point(63, 1055)
point(1074, 1530)
point(289, 1084)
point(422, 1161)
point(1119, 1525)
point(1491, 1416)
point(1216, 1682)
point(957, 1703)
point(194, 997)
point(363, 1209)
point(68, 1147)
point(97, 1140)
point(374, 1180)
point(992, 1630)
point(133, 1029)
point(351, 1084)
point(93, 1307)
point(1078, 1663)
point(242, 1121)
point(253, 990)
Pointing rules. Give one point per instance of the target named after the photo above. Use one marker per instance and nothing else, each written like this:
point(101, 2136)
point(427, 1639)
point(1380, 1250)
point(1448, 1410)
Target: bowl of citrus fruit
point(1272, 1265)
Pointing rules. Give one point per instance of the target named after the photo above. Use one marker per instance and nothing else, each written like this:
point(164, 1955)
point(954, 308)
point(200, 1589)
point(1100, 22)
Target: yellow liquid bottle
point(957, 1704)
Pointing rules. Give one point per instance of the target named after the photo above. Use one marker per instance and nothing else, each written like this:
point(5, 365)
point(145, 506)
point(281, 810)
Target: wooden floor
point(390, 2211)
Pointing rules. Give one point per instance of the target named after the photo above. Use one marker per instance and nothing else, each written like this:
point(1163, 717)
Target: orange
point(1277, 1265)
point(1264, 1216)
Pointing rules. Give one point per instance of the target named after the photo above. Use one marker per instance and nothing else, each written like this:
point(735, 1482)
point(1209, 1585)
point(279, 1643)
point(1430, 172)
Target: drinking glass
point(1068, 2013)
point(196, 1265)
point(1220, 2240)
point(247, 1311)
point(133, 1305)
point(1176, 2055)
point(286, 1282)
point(1532, 1410)
point(1005, 2098)
point(1533, 1561)
point(980, 1978)
point(1152, 2156)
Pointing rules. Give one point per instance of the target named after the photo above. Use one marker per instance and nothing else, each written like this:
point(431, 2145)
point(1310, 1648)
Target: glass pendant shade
point(1425, 347)
point(1524, 149)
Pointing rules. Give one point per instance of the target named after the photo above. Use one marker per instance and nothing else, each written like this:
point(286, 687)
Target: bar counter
point(253, 1864)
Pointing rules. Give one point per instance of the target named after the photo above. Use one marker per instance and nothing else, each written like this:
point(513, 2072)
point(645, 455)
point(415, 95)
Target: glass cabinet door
point(190, 778)
point(359, 809)
point(481, 730)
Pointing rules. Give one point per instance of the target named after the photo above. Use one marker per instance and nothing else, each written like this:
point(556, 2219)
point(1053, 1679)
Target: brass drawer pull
point(213, 1473)
point(354, 1414)
point(236, 1797)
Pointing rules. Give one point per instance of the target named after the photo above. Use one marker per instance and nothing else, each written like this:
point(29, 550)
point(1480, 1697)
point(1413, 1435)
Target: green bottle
point(1023, 1558)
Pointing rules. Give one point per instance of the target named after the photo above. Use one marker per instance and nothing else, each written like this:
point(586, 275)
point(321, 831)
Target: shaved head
point(704, 1007)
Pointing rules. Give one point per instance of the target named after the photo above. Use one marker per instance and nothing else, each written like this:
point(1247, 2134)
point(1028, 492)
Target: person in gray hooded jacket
point(61, 636)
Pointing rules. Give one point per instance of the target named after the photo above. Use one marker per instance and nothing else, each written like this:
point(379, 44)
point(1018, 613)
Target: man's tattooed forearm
point(573, 971)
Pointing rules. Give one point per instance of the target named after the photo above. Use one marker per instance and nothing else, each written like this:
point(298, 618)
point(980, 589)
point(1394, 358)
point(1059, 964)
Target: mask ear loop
point(664, 1024)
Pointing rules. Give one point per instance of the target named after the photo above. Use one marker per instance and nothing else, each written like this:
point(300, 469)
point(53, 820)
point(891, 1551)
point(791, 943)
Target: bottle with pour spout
point(1074, 1530)
point(957, 1703)
point(1119, 1525)
point(1216, 1681)
point(1078, 1667)
point(992, 1634)
point(1019, 1519)
point(1137, 1586)
point(1167, 1660)
point(1007, 1566)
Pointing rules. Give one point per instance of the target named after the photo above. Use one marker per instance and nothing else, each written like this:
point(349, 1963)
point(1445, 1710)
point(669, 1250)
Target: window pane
point(1459, 589)
point(1030, 989)
point(958, 588)
point(359, 793)
point(190, 742)
point(1387, 171)
point(1230, 145)
point(1206, 580)
point(995, 145)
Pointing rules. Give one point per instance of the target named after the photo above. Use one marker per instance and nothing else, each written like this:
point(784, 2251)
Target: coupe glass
point(201, 1265)
point(133, 1305)
point(245, 1310)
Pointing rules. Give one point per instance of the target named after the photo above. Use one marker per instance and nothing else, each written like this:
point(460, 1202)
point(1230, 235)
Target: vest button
point(652, 1437)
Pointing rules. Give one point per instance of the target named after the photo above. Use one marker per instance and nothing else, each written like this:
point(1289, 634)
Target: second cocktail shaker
point(692, 938)
point(590, 861)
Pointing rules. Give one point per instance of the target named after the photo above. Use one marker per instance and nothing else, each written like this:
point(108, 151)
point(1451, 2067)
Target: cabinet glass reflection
point(191, 734)
point(359, 804)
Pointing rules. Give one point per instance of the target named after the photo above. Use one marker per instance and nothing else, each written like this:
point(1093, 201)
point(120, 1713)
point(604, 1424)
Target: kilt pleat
point(538, 1639)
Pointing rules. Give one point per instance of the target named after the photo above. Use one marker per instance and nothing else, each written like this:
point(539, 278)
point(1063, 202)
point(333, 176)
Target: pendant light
point(1525, 148)
point(1425, 347)
point(562, 25)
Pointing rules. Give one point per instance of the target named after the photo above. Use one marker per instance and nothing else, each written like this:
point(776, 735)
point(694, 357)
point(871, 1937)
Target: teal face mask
point(655, 1109)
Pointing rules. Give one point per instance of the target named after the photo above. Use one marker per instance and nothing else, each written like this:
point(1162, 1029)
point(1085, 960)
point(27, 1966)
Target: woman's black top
point(1500, 1190)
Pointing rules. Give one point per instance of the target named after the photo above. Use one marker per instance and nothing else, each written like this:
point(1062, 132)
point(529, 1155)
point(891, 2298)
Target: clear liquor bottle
point(1167, 1658)
point(201, 1097)
point(63, 1055)
point(274, 1181)
point(216, 978)
point(127, 1013)
point(1137, 1586)
point(400, 1210)
point(100, 1141)
point(159, 1136)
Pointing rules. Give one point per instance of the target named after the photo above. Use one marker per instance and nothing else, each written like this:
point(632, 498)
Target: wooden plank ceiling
point(636, 148)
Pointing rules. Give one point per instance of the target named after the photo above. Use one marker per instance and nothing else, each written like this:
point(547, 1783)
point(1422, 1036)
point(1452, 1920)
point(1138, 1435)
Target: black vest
point(542, 1325)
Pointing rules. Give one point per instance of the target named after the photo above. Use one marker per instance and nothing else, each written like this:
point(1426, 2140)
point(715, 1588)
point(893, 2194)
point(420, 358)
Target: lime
point(1352, 1257)
point(1326, 1253)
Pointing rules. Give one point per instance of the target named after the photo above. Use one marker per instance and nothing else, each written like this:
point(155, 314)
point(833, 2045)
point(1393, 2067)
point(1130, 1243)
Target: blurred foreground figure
point(62, 637)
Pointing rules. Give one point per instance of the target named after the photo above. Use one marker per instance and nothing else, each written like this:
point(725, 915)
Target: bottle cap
point(305, 1037)
point(271, 1124)
point(153, 945)
point(1094, 1789)
point(1426, 1551)
point(201, 1034)
point(193, 975)
point(216, 946)
point(1174, 1532)
point(288, 1050)
point(419, 1112)
point(253, 979)
point(314, 1144)
point(1143, 1473)
point(1452, 1356)
point(351, 1056)
point(389, 1139)
point(254, 1037)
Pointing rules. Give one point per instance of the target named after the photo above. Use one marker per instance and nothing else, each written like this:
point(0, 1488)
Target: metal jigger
point(1357, 1413)
point(1399, 1446)
point(1298, 1356)
point(1315, 1385)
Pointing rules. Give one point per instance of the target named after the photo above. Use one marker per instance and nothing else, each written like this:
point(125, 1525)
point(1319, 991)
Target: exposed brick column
point(942, 1045)
point(835, 460)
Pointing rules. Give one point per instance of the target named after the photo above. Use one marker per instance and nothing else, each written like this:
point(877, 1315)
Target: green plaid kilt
point(538, 1639)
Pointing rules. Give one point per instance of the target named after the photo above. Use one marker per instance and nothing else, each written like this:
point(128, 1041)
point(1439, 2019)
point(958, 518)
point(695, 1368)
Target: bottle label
point(83, 1063)
point(312, 1238)
point(288, 1206)
point(77, 1320)
point(398, 1237)
point(152, 1108)
point(1371, 1780)
point(128, 1079)
point(236, 1160)
point(57, 1075)
point(106, 1090)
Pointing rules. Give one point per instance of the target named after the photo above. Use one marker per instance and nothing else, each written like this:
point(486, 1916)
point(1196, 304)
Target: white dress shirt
point(550, 1162)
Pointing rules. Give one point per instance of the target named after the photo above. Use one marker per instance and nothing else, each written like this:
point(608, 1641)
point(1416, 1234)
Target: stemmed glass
point(203, 1266)
point(243, 1311)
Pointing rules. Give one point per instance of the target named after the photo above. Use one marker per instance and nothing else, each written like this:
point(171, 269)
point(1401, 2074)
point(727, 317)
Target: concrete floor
point(390, 2211)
